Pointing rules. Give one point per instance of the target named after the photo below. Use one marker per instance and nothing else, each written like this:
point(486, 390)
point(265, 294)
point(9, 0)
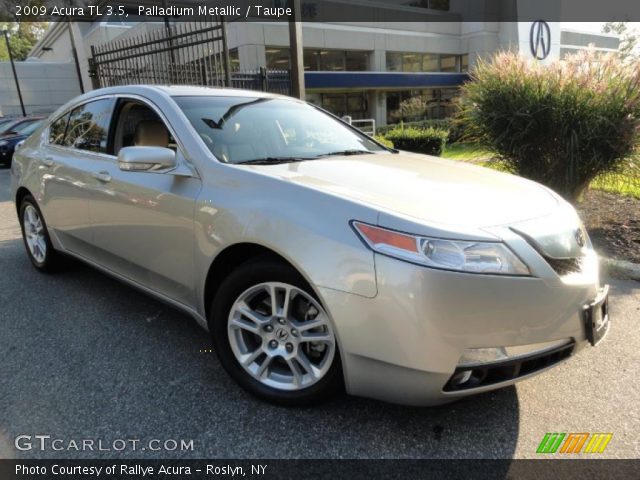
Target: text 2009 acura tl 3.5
point(317, 258)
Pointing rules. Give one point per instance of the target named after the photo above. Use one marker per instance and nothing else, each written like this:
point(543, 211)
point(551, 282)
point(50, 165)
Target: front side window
point(89, 125)
point(58, 129)
point(139, 125)
point(246, 129)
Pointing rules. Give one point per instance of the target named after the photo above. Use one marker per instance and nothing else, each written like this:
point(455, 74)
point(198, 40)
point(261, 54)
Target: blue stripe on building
point(375, 80)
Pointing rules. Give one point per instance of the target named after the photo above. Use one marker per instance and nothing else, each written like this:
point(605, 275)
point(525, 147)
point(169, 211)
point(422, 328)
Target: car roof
point(177, 91)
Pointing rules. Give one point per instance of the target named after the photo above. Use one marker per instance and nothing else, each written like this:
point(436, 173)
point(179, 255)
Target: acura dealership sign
point(540, 39)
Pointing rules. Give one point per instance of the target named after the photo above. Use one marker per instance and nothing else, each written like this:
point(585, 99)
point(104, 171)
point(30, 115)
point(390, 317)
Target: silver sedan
point(318, 259)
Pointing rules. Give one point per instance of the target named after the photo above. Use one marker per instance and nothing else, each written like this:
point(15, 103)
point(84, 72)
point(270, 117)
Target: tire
point(284, 380)
point(36, 238)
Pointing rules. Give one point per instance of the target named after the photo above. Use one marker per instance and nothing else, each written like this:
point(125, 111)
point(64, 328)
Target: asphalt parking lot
point(83, 356)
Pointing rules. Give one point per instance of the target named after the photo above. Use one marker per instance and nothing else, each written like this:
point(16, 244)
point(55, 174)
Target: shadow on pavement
point(87, 357)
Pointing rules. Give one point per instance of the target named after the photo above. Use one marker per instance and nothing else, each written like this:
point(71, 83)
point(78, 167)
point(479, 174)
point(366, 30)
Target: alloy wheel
point(34, 233)
point(281, 336)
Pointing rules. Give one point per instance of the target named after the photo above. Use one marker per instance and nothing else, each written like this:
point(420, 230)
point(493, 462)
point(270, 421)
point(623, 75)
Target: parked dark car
point(16, 125)
point(8, 142)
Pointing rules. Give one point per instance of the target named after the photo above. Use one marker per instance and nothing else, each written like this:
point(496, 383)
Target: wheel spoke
point(304, 361)
point(252, 315)
point(316, 337)
point(251, 357)
point(264, 367)
point(295, 370)
point(245, 325)
point(319, 321)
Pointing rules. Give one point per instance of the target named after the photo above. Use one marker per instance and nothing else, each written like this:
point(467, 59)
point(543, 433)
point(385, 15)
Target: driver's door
point(143, 222)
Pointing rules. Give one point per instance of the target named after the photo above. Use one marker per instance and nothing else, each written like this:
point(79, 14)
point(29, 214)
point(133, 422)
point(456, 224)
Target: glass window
point(335, 103)
point(28, 128)
point(357, 61)
point(277, 58)
point(411, 62)
point(449, 63)
point(58, 129)
point(332, 60)
point(414, 105)
point(234, 60)
point(464, 63)
point(88, 126)
point(241, 129)
point(311, 60)
point(430, 62)
point(394, 62)
point(140, 125)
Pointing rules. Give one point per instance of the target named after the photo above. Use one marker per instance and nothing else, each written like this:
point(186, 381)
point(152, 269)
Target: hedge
point(385, 141)
point(562, 124)
point(429, 141)
point(453, 126)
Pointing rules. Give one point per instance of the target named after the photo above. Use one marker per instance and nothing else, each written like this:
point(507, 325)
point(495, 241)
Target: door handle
point(103, 177)
point(48, 161)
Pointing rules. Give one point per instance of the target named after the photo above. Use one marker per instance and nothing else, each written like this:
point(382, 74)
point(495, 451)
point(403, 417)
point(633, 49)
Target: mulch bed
point(613, 223)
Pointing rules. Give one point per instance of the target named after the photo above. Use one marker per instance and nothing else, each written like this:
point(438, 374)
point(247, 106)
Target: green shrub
point(562, 125)
point(453, 126)
point(385, 141)
point(429, 141)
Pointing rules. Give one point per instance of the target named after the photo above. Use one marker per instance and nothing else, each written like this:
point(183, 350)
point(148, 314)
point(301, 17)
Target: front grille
point(493, 373)
point(565, 266)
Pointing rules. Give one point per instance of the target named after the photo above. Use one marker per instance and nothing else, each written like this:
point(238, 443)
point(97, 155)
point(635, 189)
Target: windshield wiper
point(346, 153)
point(272, 160)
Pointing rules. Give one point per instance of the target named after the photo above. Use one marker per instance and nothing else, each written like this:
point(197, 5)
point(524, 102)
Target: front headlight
point(3, 143)
point(474, 257)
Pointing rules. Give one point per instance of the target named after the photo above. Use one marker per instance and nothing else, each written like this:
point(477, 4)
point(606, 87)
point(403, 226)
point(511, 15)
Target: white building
point(366, 69)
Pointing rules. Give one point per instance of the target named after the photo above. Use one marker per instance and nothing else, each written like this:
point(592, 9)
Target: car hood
point(429, 189)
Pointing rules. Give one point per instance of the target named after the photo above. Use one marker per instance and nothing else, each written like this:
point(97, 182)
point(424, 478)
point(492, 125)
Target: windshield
point(270, 130)
point(27, 128)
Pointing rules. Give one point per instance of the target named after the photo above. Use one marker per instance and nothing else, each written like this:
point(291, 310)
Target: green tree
point(561, 124)
point(628, 49)
point(22, 37)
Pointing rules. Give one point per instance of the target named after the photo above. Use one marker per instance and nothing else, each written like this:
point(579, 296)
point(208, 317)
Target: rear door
point(75, 140)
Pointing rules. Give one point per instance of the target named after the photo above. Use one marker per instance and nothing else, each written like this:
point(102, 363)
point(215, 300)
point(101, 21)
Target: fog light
point(461, 377)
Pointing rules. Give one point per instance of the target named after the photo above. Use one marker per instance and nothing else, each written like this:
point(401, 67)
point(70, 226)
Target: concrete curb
point(621, 268)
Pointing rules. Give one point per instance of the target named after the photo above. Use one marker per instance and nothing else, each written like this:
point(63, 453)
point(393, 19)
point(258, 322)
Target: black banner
point(319, 469)
point(387, 11)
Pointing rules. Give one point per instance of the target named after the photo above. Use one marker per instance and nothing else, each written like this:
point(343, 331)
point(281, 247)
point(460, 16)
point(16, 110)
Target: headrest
point(151, 133)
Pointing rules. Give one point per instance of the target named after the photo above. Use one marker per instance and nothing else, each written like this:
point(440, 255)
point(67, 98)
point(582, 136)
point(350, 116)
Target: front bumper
point(405, 344)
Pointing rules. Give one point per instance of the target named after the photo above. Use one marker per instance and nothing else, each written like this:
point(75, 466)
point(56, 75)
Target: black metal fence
point(184, 53)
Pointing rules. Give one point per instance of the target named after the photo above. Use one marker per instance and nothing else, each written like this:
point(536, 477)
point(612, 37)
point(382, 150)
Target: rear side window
point(88, 126)
point(58, 129)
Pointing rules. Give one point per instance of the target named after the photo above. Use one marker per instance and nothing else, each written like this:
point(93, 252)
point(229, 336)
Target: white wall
point(44, 85)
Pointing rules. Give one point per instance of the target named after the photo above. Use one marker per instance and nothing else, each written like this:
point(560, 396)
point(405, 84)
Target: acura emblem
point(282, 334)
point(579, 237)
point(540, 39)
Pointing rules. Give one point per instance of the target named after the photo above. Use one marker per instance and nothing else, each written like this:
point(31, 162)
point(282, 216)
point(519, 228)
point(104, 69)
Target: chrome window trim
point(67, 112)
point(149, 103)
point(105, 156)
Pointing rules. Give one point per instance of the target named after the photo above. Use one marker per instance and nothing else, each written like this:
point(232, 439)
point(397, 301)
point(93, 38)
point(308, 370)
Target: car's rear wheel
point(36, 237)
point(274, 337)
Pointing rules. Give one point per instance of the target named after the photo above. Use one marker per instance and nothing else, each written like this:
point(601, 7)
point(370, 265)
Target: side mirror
point(146, 159)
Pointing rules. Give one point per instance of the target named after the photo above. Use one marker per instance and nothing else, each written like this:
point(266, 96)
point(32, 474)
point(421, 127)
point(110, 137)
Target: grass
point(621, 184)
point(466, 152)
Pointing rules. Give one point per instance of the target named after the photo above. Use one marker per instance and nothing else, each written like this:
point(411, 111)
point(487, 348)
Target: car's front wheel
point(274, 337)
point(36, 237)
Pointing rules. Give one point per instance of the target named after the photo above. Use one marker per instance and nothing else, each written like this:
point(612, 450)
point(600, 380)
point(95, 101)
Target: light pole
point(15, 74)
point(295, 47)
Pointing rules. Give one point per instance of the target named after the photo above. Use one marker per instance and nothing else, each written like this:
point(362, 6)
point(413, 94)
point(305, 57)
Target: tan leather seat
point(151, 133)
